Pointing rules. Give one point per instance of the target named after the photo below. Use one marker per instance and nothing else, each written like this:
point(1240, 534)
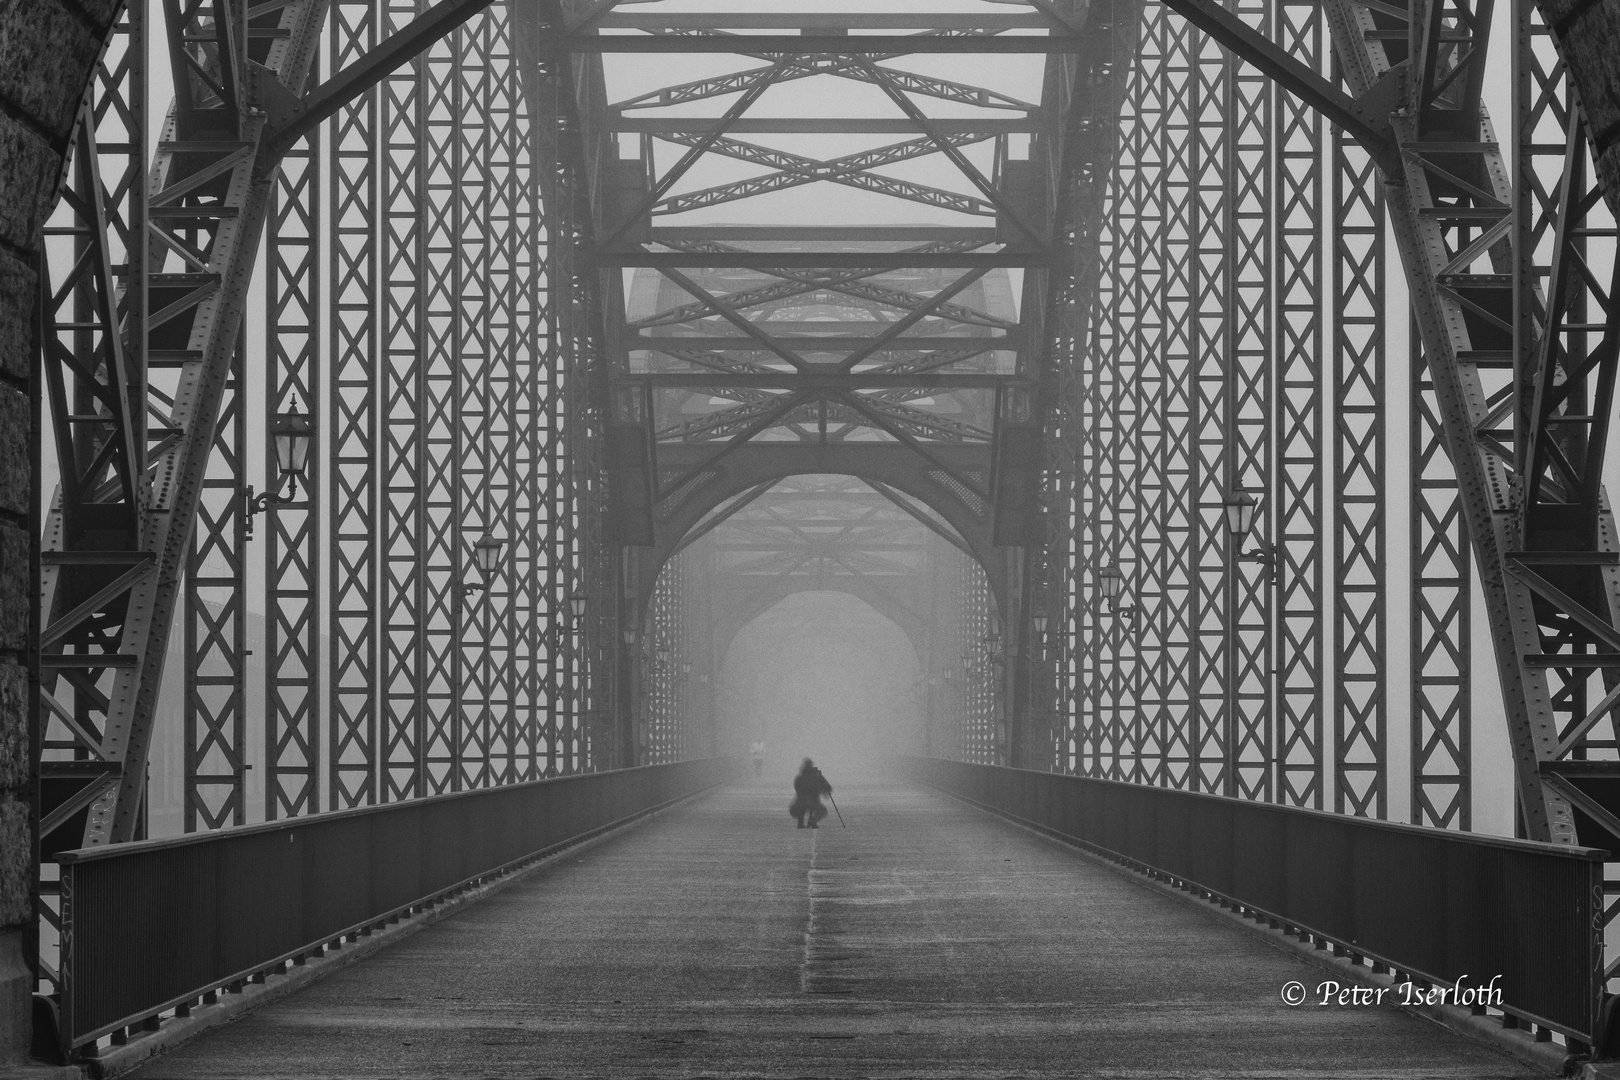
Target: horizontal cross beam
point(674, 234)
point(831, 125)
point(837, 20)
point(843, 545)
point(819, 260)
point(812, 382)
point(822, 44)
point(821, 344)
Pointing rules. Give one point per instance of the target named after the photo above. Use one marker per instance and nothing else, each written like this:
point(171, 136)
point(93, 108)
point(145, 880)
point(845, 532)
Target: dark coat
point(810, 786)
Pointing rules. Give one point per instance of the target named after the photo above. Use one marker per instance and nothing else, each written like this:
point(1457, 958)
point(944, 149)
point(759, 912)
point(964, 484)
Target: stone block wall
point(48, 49)
point(1588, 34)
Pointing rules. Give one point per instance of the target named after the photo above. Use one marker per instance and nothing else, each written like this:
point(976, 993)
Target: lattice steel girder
point(222, 213)
point(864, 293)
point(225, 92)
point(795, 170)
point(1450, 201)
point(827, 344)
point(967, 236)
point(663, 21)
point(292, 380)
point(93, 311)
point(807, 67)
point(1444, 224)
point(816, 381)
point(814, 45)
point(291, 118)
point(1364, 116)
point(356, 348)
point(801, 125)
point(817, 260)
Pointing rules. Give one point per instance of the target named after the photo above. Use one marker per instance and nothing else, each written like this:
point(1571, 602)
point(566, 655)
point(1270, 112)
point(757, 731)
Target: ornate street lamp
point(291, 435)
point(1239, 508)
point(577, 604)
point(1112, 584)
point(487, 553)
point(487, 557)
point(1039, 621)
point(1111, 581)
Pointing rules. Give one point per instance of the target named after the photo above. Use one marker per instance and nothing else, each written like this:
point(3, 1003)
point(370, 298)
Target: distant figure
point(808, 787)
point(757, 750)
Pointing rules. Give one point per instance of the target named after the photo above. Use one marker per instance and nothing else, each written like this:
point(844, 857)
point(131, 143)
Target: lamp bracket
point(255, 504)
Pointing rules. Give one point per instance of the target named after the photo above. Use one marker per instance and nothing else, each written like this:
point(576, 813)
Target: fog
point(821, 675)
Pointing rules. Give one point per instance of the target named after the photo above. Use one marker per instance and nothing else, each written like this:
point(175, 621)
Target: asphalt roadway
point(926, 939)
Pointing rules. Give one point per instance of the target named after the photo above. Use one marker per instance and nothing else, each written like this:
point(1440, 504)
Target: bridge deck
point(926, 939)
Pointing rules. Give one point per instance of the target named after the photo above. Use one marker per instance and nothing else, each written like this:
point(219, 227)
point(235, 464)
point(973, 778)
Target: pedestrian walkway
point(926, 939)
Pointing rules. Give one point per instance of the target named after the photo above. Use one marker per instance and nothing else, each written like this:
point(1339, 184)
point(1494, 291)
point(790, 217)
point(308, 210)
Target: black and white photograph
point(796, 539)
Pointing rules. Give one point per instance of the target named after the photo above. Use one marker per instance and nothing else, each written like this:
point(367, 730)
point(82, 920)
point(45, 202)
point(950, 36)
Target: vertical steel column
point(1567, 350)
point(442, 223)
point(1301, 229)
point(552, 130)
point(1145, 627)
point(474, 386)
point(1251, 158)
point(531, 314)
point(215, 624)
point(569, 224)
point(1441, 623)
point(1213, 724)
point(1360, 693)
point(402, 334)
point(356, 539)
point(512, 217)
point(292, 744)
point(665, 734)
point(1105, 482)
point(1179, 511)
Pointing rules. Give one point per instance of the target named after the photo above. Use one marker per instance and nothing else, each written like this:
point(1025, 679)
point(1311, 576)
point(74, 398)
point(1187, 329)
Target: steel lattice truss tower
point(1057, 282)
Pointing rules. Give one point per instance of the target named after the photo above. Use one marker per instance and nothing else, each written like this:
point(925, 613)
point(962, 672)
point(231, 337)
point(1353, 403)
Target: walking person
point(757, 751)
point(808, 788)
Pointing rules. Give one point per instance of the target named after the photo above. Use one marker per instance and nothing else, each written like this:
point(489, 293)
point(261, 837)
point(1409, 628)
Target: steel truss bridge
point(967, 312)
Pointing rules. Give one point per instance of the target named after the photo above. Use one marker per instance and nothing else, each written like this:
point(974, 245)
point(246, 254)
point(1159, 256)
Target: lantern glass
point(967, 663)
point(291, 434)
point(487, 552)
point(576, 604)
point(991, 642)
point(629, 635)
point(1239, 514)
point(1111, 581)
point(686, 669)
point(662, 653)
point(1040, 621)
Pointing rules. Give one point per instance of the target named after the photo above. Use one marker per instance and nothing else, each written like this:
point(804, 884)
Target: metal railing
point(1432, 906)
point(164, 924)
